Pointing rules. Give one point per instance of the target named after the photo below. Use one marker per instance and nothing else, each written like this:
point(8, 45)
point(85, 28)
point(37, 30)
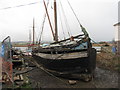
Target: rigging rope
point(66, 22)
point(100, 45)
point(49, 19)
point(42, 26)
point(83, 29)
point(104, 49)
point(44, 23)
point(49, 73)
point(82, 26)
point(73, 12)
point(61, 24)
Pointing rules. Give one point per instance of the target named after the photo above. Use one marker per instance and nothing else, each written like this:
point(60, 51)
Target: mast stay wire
point(42, 26)
point(73, 12)
point(61, 23)
point(49, 20)
point(83, 29)
point(100, 45)
point(66, 22)
point(80, 23)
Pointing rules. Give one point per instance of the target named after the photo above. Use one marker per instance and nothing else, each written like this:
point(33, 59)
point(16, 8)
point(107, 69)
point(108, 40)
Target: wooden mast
point(55, 21)
point(29, 36)
point(49, 19)
point(33, 31)
point(55, 35)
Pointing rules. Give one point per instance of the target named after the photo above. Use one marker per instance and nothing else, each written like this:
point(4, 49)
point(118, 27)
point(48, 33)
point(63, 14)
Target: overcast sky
point(97, 16)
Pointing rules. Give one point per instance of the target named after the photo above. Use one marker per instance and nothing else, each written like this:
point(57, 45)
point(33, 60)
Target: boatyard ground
point(106, 74)
point(104, 78)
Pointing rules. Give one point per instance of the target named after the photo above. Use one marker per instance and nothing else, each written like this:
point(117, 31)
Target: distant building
point(117, 32)
point(117, 36)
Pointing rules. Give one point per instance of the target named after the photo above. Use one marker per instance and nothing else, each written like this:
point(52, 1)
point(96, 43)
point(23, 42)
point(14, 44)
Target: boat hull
point(74, 65)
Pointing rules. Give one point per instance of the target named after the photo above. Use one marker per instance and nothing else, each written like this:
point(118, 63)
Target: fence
point(6, 58)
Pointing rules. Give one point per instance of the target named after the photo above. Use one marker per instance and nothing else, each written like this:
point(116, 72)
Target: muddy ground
point(38, 78)
point(103, 79)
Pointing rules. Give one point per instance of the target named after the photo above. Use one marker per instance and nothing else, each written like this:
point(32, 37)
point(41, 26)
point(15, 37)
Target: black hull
point(76, 65)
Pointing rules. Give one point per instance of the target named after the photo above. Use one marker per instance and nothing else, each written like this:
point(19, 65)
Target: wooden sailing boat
point(74, 55)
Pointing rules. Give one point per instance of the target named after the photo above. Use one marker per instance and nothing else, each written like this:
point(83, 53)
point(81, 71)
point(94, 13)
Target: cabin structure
point(117, 36)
